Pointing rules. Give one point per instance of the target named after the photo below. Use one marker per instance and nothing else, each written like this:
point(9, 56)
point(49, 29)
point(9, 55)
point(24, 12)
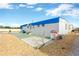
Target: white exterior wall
point(45, 31)
point(24, 28)
point(64, 26)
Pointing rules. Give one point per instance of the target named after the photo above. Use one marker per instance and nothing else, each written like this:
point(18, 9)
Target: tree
point(1, 26)
point(7, 27)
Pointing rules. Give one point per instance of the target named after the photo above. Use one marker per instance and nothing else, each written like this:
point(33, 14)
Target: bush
point(59, 37)
point(9, 30)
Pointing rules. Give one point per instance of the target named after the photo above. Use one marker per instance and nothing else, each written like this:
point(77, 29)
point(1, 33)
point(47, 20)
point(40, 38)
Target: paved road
point(75, 47)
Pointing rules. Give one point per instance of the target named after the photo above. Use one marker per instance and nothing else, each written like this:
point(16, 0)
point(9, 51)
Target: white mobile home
point(45, 28)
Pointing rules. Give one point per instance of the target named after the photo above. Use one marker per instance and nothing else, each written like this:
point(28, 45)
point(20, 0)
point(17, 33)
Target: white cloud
point(9, 6)
point(22, 5)
point(26, 6)
point(5, 6)
point(39, 9)
point(30, 6)
point(31, 3)
point(64, 9)
point(74, 11)
point(59, 9)
point(40, 1)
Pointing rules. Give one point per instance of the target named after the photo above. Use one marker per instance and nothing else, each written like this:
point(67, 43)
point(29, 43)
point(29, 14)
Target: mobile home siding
point(43, 28)
point(45, 31)
point(64, 26)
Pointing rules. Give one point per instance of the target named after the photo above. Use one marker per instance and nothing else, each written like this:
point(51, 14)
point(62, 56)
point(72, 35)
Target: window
point(69, 27)
point(38, 25)
point(43, 25)
point(66, 26)
point(30, 26)
point(72, 26)
point(27, 26)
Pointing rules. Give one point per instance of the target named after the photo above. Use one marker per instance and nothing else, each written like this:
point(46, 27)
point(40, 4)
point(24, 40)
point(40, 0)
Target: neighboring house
point(76, 30)
point(49, 27)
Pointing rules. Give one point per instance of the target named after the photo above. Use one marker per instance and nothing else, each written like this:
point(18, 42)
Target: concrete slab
point(35, 42)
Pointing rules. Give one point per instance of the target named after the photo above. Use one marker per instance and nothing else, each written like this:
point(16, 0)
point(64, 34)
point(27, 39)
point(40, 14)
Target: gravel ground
point(10, 45)
point(75, 47)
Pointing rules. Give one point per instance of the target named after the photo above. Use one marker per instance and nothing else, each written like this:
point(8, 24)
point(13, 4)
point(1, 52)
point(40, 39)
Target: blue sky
point(16, 14)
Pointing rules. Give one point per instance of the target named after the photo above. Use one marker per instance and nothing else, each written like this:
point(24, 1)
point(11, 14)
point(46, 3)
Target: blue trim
point(49, 21)
point(23, 25)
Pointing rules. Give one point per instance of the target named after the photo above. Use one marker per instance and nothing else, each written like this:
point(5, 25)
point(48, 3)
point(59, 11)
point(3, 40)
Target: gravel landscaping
point(13, 46)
